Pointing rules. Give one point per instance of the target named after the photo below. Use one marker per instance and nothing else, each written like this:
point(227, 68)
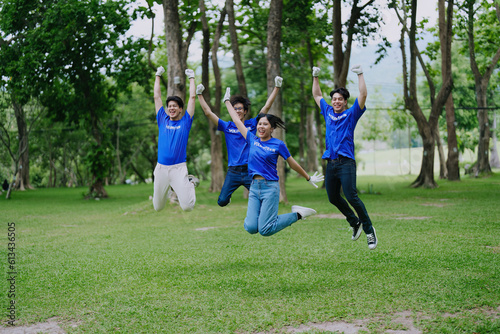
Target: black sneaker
point(356, 231)
point(372, 239)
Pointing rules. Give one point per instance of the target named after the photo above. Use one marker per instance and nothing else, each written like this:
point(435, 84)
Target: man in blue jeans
point(341, 169)
point(237, 147)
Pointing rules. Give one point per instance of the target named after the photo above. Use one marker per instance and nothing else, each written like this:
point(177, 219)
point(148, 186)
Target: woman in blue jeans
point(263, 199)
point(341, 169)
point(237, 148)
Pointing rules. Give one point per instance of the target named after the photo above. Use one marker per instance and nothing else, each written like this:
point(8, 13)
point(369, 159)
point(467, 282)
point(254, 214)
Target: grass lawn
point(116, 265)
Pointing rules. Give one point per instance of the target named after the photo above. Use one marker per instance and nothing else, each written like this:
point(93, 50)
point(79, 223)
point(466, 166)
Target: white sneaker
point(303, 211)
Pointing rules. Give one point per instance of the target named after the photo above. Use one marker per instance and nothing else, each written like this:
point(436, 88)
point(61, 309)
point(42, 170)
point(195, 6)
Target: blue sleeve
point(324, 106)
point(160, 115)
point(222, 125)
point(283, 151)
point(358, 112)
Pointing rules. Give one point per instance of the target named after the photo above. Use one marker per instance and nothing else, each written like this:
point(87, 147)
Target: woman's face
point(264, 129)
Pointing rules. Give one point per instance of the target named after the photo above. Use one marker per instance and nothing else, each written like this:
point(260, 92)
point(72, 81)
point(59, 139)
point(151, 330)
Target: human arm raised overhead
point(316, 90)
point(204, 105)
point(157, 89)
point(278, 81)
point(363, 93)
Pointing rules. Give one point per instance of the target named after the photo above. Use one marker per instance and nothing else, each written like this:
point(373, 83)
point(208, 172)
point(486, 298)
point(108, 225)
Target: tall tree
point(216, 165)
point(273, 69)
point(364, 21)
point(427, 127)
point(177, 48)
point(235, 48)
point(487, 46)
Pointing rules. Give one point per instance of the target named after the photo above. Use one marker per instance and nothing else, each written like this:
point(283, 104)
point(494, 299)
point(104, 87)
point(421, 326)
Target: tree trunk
point(312, 147)
point(273, 69)
point(481, 83)
point(24, 162)
point(302, 124)
point(216, 166)
point(443, 171)
point(426, 128)
point(341, 57)
point(494, 160)
point(240, 77)
point(173, 35)
point(452, 162)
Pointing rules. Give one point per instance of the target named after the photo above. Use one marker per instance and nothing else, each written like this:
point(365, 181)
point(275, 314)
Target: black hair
point(177, 100)
point(240, 99)
point(275, 121)
point(342, 91)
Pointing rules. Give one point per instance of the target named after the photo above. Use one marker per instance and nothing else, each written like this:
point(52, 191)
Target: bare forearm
point(363, 93)
point(234, 116)
point(270, 100)
point(316, 90)
point(296, 167)
point(207, 111)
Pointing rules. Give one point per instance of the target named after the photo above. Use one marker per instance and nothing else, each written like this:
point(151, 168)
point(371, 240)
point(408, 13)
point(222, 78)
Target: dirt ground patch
point(50, 326)
point(401, 322)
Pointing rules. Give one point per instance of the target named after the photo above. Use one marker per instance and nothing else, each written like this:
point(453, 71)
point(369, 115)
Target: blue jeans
point(342, 172)
point(236, 176)
point(262, 212)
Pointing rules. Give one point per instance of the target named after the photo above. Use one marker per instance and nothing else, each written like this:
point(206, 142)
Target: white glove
point(227, 96)
point(278, 81)
point(357, 69)
point(199, 89)
point(317, 177)
point(189, 73)
point(316, 71)
point(159, 71)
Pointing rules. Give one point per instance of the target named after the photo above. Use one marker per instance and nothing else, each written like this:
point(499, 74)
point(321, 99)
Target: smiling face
point(174, 111)
point(264, 129)
point(240, 110)
point(339, 104)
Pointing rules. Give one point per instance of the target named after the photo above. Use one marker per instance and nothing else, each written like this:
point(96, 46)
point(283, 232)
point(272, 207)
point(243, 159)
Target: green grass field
point(116, 265)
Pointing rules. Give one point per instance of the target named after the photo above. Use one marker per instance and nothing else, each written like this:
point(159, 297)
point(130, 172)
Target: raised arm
point(316, 91)
point(204, 105)
point(192, 92)
point(239, 124)
point(157, 89)
point(363, 93)
point(270, 100)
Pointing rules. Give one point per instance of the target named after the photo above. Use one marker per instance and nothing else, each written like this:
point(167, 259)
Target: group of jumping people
point(253, 155)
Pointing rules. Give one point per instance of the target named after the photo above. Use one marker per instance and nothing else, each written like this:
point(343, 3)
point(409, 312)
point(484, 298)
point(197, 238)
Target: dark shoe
point(356, 231)
point(372, 239)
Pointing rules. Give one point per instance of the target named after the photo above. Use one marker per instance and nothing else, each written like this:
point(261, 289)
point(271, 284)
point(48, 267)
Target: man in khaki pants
point(174, 125)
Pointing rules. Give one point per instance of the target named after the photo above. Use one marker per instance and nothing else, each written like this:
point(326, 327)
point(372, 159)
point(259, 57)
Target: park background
point(77, 118)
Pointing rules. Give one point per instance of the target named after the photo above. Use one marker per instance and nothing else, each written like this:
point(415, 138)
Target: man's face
point(173, 110)
point(240, 110)
point(339, 104)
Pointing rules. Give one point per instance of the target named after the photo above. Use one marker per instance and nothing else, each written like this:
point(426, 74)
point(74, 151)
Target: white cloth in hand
point(315, 178)
point(199, 89)
point(278, 81)
point(189, 73)
point(159, 71)
point(227, 96)
point(315, 71)
point(357, 69)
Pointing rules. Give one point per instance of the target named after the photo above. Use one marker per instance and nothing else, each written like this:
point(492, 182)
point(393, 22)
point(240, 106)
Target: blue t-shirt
point(263, 156)
point(172, 138)
point(237, 146)
point(339, 136)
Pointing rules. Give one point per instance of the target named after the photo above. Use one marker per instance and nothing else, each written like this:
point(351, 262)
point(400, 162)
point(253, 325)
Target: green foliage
point(99, 160)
